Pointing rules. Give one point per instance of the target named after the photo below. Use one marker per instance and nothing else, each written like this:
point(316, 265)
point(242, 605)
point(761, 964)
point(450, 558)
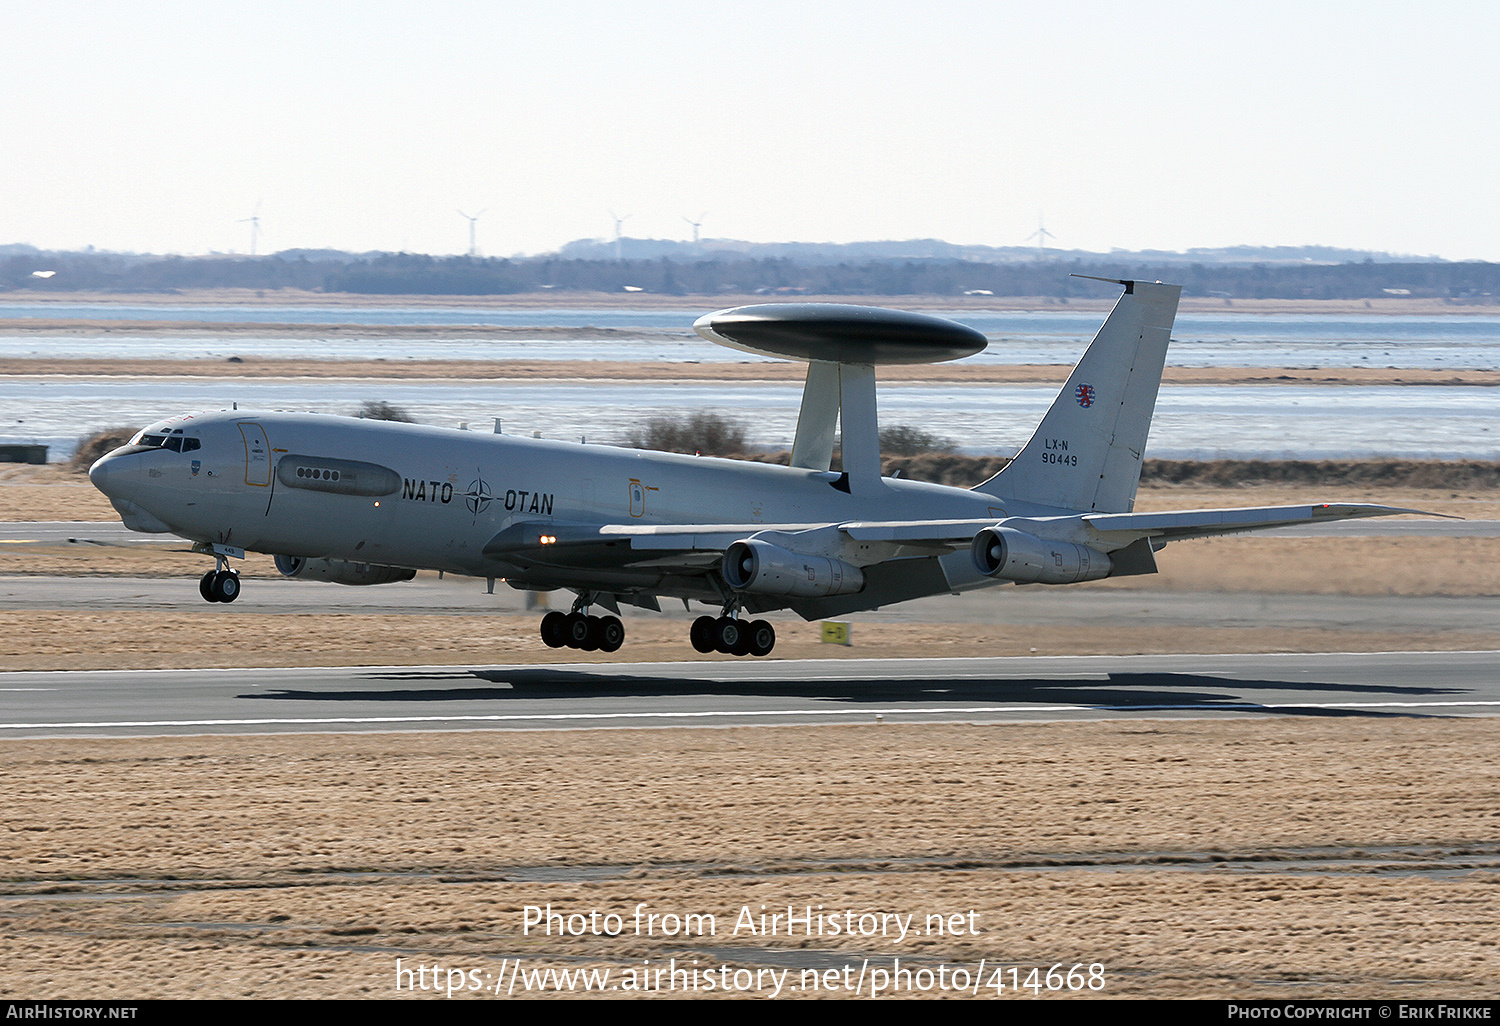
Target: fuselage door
point(257, 455)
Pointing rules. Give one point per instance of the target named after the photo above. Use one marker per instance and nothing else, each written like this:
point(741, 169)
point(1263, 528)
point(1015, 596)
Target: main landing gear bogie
point(219, 586)
point(576, 630)
point(733, 636)
point(727, 634)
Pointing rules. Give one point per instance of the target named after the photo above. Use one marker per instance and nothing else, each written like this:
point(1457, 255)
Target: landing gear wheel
point(727, 631)
point(702, 634)
point(762, 638)
point(577, 630)
point(742, 647)
point(611, 633)
point(206, 586)
point(555, 629)
point(590, 641)
point(226, 586)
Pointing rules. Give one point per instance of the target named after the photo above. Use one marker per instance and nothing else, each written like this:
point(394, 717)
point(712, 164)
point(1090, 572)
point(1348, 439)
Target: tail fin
point(1086, 453)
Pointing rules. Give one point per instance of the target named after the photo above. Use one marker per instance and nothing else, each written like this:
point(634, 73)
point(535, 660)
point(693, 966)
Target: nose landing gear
point(220, 586)
point(581, 631)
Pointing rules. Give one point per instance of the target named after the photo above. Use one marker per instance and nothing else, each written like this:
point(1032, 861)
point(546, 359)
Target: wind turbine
point(1041, 235)
point(619, 249)
point(696, 225)
point(254, 221)
point(473, 246)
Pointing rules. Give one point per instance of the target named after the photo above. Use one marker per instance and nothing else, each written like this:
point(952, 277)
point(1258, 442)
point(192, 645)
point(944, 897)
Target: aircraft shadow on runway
point(1133, 690)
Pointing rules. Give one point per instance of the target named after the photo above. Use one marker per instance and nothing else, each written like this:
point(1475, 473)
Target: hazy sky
point(156, 126)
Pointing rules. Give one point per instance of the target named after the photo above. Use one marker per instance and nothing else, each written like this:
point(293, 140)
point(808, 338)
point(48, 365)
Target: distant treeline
point(415, 274)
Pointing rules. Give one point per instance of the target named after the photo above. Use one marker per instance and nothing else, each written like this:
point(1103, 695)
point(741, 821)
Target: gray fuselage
point(406, 495)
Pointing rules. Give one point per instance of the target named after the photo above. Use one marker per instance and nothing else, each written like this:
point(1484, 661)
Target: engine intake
point(340, 571)
point(1012, 555)
point(765, 569)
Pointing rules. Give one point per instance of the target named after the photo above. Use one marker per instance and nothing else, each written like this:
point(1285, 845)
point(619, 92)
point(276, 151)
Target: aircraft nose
point(101, 472)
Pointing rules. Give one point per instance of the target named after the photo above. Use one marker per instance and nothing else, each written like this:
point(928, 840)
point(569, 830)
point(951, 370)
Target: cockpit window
point(174, 440)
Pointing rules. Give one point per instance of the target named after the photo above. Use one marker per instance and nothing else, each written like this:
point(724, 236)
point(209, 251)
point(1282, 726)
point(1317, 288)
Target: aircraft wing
point(948, 534)
point(867, 564)
point(532, 534)
point(695, 546)
point(649, 540)
point(1205, 523)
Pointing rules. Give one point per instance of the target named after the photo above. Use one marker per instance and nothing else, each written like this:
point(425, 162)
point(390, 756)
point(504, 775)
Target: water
point(1192, 421)
point(1201, 422)
point(1199, 340)
point(666, 319)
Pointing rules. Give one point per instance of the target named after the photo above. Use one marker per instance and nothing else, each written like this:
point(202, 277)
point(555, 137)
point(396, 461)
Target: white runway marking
point(705, 714)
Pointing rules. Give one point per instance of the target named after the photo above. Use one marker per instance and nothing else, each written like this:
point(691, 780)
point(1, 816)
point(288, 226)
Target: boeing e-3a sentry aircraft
point(371, 502)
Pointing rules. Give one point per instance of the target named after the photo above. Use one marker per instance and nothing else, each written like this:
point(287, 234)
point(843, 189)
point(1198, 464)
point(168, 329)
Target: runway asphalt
point(126, 703)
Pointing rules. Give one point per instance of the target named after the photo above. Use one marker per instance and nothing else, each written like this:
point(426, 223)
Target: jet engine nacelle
point(340, 571)
point(766, 569)
point(1013, 555)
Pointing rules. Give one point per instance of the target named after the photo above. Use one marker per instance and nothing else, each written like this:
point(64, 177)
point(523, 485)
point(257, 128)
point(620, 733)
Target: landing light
point(548, 539)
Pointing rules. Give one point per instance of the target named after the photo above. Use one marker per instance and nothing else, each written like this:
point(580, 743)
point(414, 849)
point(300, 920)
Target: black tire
point(702, 634)
point(578, 630)
point(727, 631)
point(555, 629)
point(762, 638)
point(206, 586)
point(611, 633)
point(742, 647)
point(591, 639)
point(226, 586)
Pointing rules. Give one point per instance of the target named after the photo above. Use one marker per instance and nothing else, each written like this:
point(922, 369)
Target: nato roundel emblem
point(1085, 394)
point(478, 496)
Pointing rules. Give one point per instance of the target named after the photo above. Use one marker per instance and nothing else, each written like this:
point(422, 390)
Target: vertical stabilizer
point(1086, 453)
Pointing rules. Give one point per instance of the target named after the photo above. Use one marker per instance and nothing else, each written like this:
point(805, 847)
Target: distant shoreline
point(260, 368)
point(1384, 306)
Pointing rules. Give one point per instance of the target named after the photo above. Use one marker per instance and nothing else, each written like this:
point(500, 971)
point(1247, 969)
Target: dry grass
point(250, 866)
